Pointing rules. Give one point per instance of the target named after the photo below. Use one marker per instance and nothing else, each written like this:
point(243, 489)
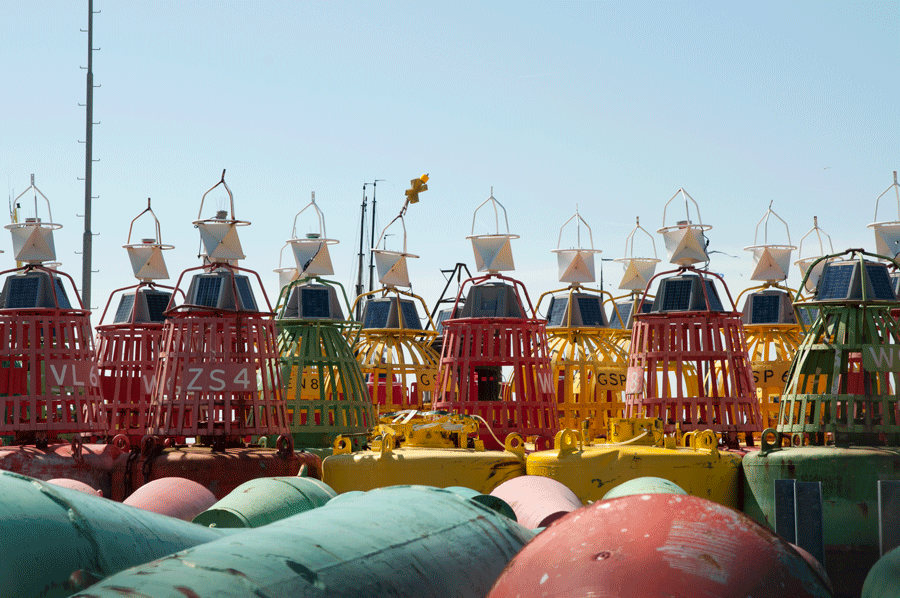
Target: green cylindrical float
point(401, 541)
point(57, 541)
point(494, 503)
point(264, 500)
point(839, 415)
point(645, 485)
point(883, 580)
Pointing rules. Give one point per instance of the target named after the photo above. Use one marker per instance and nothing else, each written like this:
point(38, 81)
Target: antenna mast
point(87, 241)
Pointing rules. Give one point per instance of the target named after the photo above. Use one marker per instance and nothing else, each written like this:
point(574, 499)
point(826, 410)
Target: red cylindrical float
point(173, 496)
point(655, 546)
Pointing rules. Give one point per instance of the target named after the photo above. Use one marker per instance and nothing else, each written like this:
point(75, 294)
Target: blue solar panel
point(677, 294)
point(410, 315)
point(22, 291)
point(557, 311)
point(315, 303)
point(488, 300)
point(808, 314)
point(835, 282)
point(207, 294)
point(712, 295)
point(377, 313)
point(248, 302)
point(126, 306)
point(625, 312)
point(591, 311)
point(61, 298)
point(444, 314)
point(156, 306)
point(880, 281)
point(764, 309)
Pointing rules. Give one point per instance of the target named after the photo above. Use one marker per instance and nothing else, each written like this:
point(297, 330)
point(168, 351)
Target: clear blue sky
point(610, 106)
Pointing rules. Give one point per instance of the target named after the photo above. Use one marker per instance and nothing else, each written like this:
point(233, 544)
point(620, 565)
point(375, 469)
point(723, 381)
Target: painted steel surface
point(365, 470)
point(883, 580)
point(264, 500)
point(849, 479)
point(592, 471)
point(92, 464)
point(590, 370)
point(713, 344)
point(176, 497)
point(771, 348)
point(644, 485)
point(490, 501)
point(411, 541)
point(537, 501)
point(658, 546)
point(75, 485)
point(56, 541)
point(48, 382)
point(220, 472)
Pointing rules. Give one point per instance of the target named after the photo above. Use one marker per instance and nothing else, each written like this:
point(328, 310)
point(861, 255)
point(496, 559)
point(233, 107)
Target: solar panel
point(808, 314)
point(377, 313)
point(126, 306)
point(712, 295)
point(61, 298)
point(410, 315)
point(489, 299)
point(22, 291)
point(248, 302)
point(444, 314)
point(835, 282)
point(646, 307)
point(764, 309)
point(156, 306)
point(880, 281)
point(207, 294)
point(315, 303)
point(624, 311)
point(591, 311)
point(895, 282)
point(557, 311)
point(677, 295)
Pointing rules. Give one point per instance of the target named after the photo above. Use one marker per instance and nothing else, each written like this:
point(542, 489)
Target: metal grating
point(377, 313)
point(557, 310)
point(765, 309)
point(22, 292)
point(835, 282)
point(880, 281)
point(123, 312)
point(62, 299)
point(207, 294)
point(677, 295)
point(624, 311)
point(715, 304)
point(156, 306)
point(410, 315)
point(591, 311)
point(315, 303)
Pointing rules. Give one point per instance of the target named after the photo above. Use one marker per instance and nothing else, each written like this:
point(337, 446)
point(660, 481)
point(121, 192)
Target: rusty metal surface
point(220, 472)
point(410, 541)
point(176, 497)
point(264, 500)
point(56, 540)
point(658, 546)
point(93, 466)
point(537, 501)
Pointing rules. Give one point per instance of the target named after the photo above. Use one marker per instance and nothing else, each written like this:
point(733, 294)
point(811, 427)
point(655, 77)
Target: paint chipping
point(544, 578)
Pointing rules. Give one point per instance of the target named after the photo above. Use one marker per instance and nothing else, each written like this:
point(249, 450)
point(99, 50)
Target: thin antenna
point(87, 240)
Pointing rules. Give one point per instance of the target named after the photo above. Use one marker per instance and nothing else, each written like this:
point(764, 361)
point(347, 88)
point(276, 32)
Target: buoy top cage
point(146, 257)
point(638, 270)
point(33, 238)
point(772, 260)
point(493, 252)
point(311, 254)
point(219, 233)
point(811, 275)
point(576, 266)
point(685, 240)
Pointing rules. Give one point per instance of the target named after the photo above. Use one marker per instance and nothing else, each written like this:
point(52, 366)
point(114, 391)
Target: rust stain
point(189, 593)
point(864, 508)
point(708, 559)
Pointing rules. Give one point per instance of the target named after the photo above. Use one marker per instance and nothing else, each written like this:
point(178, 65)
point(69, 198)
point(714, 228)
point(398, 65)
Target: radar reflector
point(219, 234)
point(493, 252)
point(576, 265)
point(638, 270)
point(804, 264)
point(685, 241)
point(887, 233)
point(772, 261)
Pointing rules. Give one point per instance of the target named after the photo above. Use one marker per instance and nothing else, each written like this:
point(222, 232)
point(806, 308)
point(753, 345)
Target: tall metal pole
point(87, 240)
point(362, 239)
point(373, 238)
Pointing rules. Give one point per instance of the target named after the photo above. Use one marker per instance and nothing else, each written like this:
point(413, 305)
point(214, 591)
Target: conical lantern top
point(576, 266)
point(219, 233)
point(146, 257)
point(493, 252)
point(887, 233)
point(685, 240)
point(638, 270)
point(804, 262)
point(772, 261)
point(33, 238)
point(311, 252)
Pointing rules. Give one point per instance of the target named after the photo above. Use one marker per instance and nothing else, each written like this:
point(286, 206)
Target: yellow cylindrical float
point(426, 450)
point(639, 449)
